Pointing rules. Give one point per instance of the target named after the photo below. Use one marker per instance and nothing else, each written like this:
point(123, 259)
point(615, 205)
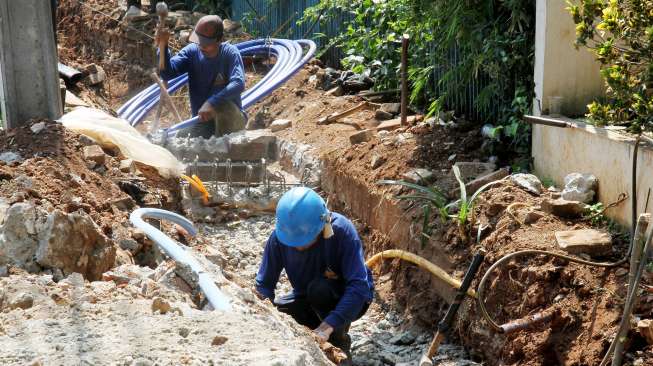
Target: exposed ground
point(115, 314)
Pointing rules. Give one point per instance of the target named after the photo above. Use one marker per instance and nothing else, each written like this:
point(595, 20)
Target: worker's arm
point(354, 272)
point(177, 65)
point(236, 84)
point(270, 269)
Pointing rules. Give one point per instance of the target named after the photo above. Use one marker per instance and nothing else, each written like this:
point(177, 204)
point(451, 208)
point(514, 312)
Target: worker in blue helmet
point(323, 259)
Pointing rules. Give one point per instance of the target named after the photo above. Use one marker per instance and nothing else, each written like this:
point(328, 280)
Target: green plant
point(620, 33)
point(218, 7)
point(491, 39)
point(430, 197)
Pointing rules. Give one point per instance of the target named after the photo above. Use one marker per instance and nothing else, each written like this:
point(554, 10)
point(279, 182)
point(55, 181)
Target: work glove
point(323, 332)
point(207, 112)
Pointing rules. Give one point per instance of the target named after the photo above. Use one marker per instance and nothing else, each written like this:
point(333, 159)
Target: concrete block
point(586, 241)
point(280, 124)
point(361, 136)
point(247, 151)
point(94, 153)
point(563, 208)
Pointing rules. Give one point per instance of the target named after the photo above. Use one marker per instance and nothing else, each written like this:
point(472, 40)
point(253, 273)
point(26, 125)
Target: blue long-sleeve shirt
point(342, 254)
point(216, 79)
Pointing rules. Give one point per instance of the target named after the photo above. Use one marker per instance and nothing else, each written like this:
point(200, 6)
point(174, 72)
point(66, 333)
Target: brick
point(94, 153)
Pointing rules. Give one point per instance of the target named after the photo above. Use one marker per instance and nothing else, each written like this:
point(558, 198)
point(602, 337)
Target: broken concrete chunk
point(529, 182)
point(127, 166)
point(10, 157)
point(160, 305)
point(37, 127)
point(382, 115)
point(419, 176)
point(18, 240)
point(360, 137)
point(73, 243)
point(377, 161)
point(645, 328)
point(95, 154)
point(533, 216)
point(563, 208)
point(96, 74)
point(391, 108)
point(280, 124)
point(21, 301)
point(586, 241)
point(580, 187)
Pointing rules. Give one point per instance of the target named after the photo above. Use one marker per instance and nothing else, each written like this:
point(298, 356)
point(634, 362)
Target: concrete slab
point(586, 241)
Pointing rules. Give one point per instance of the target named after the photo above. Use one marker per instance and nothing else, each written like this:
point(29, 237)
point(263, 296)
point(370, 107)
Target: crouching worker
point(323, 258)
point(216, 78)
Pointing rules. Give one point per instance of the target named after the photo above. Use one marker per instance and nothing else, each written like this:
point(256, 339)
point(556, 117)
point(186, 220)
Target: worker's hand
point(162, 35)
point(323, 332)
point(207, 112)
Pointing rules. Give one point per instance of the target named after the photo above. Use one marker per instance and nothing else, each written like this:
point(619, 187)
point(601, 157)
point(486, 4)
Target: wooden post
point(404, 79)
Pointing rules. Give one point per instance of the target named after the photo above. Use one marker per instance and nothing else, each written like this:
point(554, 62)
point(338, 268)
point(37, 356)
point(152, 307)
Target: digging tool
point(162, 12)
point(165, 97)
point(334, 117)
point(446, 322)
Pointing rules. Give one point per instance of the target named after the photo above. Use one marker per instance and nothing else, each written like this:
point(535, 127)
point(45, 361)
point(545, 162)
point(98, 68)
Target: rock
point(377, 161)
point(391, 108)
point(403, 338)
point(529, 182)
point(580, 187)
point(4, 271)
point(587, 241)
point(563, 208)
point(130, 245)
point(125, 203)
point(361, 136)
point(73, 243)
point(37, 127)
point(134, 13)
point(10, 157)
point(21, 301)
point(127, 166)
point(160, 305)
point(621, 272)
point(219, 340)
point(474, 185)
point(533, 216)
point(419, 176)
point(645, 328)
point(142, 362)
point(86, 141)
point(382, 115)
point(336, 92)
point(95, 154)
point(19, 242)
point(280, 124)
point(184, 332)
point(470, 170)
point(96, 74)
point(138, 234)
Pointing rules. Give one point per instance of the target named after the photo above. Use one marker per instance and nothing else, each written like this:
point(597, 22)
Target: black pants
point(322, 296)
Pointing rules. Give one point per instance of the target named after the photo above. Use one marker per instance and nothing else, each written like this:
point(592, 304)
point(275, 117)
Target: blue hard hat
point(301, 215)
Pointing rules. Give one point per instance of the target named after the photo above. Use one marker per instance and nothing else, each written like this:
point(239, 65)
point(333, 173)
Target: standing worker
point(216, 78)
point(323, 258)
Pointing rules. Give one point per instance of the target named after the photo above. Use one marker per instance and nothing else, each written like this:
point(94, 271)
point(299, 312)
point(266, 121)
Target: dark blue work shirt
point(342, 254)
point(216, 79)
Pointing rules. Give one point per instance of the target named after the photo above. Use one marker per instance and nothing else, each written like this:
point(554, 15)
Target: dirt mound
point(65, 212)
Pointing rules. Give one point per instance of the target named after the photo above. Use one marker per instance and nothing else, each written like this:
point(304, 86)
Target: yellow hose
point(420, 262)
point(197, 184)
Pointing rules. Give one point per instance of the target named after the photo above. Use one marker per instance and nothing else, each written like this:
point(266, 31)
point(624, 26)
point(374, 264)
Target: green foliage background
point(620, 33)
point(494, 38)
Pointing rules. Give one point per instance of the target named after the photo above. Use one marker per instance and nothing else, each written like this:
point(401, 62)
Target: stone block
point(529, 182)
point(95, 154)
point(382, 115)
point(585, 241)
point(563, 208)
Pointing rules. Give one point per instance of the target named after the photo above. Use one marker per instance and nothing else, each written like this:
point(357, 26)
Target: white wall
point(561, 69)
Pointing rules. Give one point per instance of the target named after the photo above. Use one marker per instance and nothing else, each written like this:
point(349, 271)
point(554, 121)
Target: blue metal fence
point(279, 18)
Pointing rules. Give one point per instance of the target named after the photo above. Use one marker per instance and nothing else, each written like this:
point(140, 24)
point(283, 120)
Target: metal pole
point(404, 79)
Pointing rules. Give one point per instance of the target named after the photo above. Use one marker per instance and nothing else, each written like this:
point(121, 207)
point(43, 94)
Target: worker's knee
point(323, 294)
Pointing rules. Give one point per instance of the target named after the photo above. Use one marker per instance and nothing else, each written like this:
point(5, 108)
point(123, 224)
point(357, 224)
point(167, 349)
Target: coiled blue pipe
point(290, 58)
point(215, 297)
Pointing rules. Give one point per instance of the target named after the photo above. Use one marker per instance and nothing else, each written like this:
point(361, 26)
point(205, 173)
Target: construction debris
point(563, 208)
point(529, 182)
point(580, 187)
point(586, 241)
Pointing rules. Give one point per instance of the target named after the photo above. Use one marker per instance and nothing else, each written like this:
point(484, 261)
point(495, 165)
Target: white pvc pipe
point(217, 299)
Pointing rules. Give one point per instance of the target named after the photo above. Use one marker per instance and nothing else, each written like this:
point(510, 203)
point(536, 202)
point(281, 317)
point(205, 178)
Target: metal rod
point(404, 79)
point(546, 121)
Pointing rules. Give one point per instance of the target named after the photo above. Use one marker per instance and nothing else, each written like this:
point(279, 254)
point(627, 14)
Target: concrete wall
point(29, 81)
point(560, 69)
point(602, 152)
